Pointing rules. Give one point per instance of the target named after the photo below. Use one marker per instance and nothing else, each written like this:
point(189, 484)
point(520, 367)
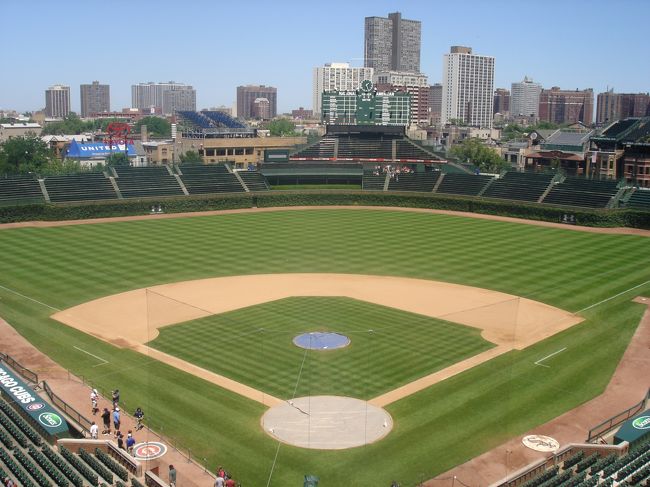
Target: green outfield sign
point(40, 411)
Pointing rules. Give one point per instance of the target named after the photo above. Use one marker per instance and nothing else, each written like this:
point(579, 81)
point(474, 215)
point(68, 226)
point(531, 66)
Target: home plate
point(327, 422)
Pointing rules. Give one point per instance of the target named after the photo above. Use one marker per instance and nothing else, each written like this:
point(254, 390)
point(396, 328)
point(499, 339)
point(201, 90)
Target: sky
point(218, 45)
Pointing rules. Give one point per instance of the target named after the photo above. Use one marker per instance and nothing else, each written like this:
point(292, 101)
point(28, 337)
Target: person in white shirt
point(94, 431)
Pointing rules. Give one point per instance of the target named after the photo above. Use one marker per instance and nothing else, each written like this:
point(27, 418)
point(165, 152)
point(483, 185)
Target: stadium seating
point(79, 187)
point(144, 182)
point(197, 119)
point(373, 182)
point(639, 200)
point(254, 180)
point(581, 192)
point(364, 148)
point(465, 184)
point(209, 178)
point(423, 182)
point(323, 149)
point(20, 189)
point(519, 186)
point(220, 119)
point(405, 149)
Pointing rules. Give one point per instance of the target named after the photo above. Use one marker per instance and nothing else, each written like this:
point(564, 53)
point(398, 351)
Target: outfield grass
point(434, 429)
point(266, 357)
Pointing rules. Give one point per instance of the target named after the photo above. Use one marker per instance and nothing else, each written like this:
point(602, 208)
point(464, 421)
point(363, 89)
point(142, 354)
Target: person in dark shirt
point(106, 418)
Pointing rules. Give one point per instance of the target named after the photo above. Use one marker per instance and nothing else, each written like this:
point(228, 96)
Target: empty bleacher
point(407, 150)
point(209, 178)
point(519, 186)
point(197, 119)
point(423, 182)
point(582, 192)
point(144, 182)
point(323, 149)
point(364, 148)
point(79, 187)
point(254, 180)
point(639, 200)
point(20, 189)
point(373, 181)
point(220, 119)
point(463, 184)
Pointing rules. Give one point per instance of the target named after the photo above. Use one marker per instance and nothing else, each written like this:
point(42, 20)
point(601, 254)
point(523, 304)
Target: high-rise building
point(416, 84)
point(57, 101)
point(336, 77)
point(246, 96)
point(95, 98)
point(435, 102)
point(149, 96)
point(524, 98)
point(616, 106)
point(262, 108)
point(467, 87)
point(178, 98)
point(566, 106)
point(392, 44)
point(501, 102)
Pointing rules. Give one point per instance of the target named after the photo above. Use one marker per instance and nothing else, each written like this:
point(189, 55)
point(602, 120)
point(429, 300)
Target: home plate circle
point(327, 422)
point(540, 443)
point(321, 340)
point(149, 450)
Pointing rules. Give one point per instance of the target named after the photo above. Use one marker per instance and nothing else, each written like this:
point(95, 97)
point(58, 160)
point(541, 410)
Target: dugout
point(634, 430)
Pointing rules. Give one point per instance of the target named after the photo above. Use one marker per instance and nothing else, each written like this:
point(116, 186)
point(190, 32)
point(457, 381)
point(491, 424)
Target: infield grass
point(435, 429)
point(266, 356)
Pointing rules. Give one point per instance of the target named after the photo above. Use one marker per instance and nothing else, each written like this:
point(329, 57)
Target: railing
point(24, 372)
point(152, 480)
point(67, 409)
point(611, 423)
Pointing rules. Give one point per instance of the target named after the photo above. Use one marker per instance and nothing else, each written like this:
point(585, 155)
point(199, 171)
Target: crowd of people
point(393, 170)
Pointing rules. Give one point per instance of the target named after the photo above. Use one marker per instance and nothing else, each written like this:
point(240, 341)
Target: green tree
point(156, 126)
point(282, 126)
point(191, 157)
point(473, 151)
point(71, 125)
point(21, 155)
point(118, 159)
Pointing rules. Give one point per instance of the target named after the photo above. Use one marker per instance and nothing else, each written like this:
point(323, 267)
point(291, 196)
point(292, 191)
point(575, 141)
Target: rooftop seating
point(254, 180)
point(79, 187)
point(209, 178)
point(640, 199)
point(20, 189)
point(220, 119)
point(581, 192)
point(145, 182)
point(519, 186)
point(465, 184)
point(423, 182)
point(197, 119)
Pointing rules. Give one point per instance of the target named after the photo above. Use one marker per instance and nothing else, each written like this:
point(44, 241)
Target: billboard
point(86, 150)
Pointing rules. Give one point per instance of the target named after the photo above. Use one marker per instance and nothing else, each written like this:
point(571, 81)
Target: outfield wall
point(79, 211)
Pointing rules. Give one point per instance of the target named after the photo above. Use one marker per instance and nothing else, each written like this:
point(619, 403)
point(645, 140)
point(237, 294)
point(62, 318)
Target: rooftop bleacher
point(223, 120)
point(197, 119)
point(79, 187)
point(463, 184)
point(582, 192)
point(20, 189)
point(519, 186)
point(144, 182)
point(209, 178)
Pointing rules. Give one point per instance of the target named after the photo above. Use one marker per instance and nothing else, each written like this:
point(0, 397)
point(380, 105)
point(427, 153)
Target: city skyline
point(281, 47)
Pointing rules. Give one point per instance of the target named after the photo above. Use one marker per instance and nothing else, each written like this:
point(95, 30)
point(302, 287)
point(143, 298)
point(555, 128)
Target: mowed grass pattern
point(254, 345)
point(435, 429)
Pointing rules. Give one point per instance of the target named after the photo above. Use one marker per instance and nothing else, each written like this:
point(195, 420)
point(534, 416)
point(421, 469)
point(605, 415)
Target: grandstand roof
point(628, 130)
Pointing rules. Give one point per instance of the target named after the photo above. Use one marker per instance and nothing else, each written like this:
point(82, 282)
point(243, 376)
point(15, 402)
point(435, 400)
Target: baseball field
point(590, 277)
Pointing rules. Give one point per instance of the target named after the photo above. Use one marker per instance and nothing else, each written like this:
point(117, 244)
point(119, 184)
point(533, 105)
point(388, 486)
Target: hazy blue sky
point(217, 45)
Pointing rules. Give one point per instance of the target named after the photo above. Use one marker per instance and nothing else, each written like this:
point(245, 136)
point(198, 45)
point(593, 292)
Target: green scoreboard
point(366, 107)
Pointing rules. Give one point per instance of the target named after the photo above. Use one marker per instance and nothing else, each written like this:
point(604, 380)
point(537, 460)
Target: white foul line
point(612, 297)
point(548, 356)
point(31, 299)
point(98, 358)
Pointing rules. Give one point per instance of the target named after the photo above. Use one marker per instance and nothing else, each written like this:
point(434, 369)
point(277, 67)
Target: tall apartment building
point(501, 101)
point(615, 106)
point(392, 43)
point(467, 87)
point(435, 102)
point(95, 98)
point(149, 96)
point(246, 96)
point(178, 98)
point(336, 77)
point(416, 84)
point(524, 98)
point(566, 106)
point(57, 101)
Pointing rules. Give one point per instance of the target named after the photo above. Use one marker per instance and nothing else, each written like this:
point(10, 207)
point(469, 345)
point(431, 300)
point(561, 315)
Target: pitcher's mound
point(327, 422)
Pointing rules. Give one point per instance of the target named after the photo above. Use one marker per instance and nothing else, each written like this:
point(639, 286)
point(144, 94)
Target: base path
point(132, 319)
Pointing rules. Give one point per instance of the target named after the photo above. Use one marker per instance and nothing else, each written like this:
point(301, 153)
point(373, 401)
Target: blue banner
point(98, 149)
